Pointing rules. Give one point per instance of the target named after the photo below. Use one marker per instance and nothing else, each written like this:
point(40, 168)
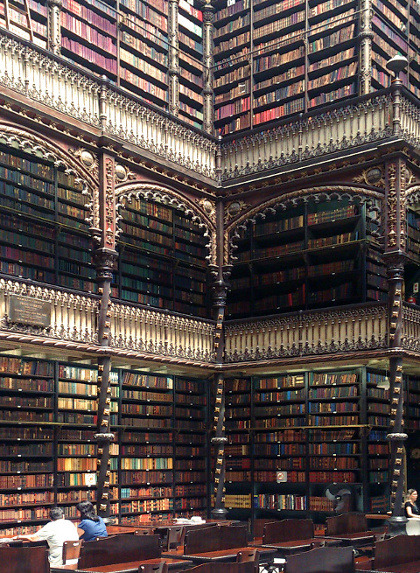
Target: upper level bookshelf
point(162, 259)
point(44, 235)
point(275, 59)
point(308, 256)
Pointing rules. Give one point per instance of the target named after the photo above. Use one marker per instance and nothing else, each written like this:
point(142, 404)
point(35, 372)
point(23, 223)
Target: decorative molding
point(152, 192)
point(31, 143)
point(373, 199)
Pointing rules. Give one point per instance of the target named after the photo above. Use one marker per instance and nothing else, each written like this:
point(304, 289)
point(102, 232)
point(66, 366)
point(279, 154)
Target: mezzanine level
point(41, 83)
point(141, 333)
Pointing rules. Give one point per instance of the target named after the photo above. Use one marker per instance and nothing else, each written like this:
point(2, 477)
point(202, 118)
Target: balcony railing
point(50, 80)
point(333, 129)
point(72, 321)
point(307, 334)
point(154, 335)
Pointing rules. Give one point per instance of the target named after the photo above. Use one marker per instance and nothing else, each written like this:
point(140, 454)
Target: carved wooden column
point(365, 47)
point(54, 25)
point(208, 60)
point(394, 258)
point(173, 67)
point(219, 439)
point(105, 258)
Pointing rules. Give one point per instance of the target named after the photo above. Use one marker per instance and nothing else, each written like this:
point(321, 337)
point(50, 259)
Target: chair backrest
point(176, 536)
point(119, 549)
point(252, 555)
point(323, 560)
point(288, 530)
point(71, 552)
point(346, 523)
point(215, 539)
point(157, 568)
point(397, 550)
point(223, 567)
point(24, 560)
point(258, 526)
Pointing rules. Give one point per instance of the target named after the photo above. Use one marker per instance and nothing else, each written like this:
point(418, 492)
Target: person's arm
point(33, 537)
point(80, 532)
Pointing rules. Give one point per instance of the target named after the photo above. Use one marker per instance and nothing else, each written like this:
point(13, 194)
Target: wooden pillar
point(394, 257)
point(208, 60)
point(105, 258)
point(54, 25)
point(221, 273)
point(173, 67)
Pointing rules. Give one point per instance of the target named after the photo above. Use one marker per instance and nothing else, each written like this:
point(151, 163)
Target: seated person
point(410, 506)
point(55, 533)
point(91, 526)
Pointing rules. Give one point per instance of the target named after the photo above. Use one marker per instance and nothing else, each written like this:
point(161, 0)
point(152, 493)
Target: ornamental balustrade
point(307, 333)
point(48, 79)
point(153, 334)
point(73, 323)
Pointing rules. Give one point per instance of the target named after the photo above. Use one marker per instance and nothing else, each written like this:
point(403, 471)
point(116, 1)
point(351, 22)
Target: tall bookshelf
point(146, 455)
point(15, 19)
point(158, 459)
point(278, 59)
point(162, 259)
point(190, 57)
point(44, 234)
point(306, 431)
point(27, 393)
point(190, 447)
point(308, 256)
point(238, 472)
point(76, 445)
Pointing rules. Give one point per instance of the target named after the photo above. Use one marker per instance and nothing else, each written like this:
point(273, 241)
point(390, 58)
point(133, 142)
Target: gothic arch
point(373, 199)
point(28, 141)
point(202, 213)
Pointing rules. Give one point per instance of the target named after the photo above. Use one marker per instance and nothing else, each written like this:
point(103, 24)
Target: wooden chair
point(176, 536)
point(71, 552)
point(158, 568)
point(24, 560)
point(252, 555)
point(322, 560)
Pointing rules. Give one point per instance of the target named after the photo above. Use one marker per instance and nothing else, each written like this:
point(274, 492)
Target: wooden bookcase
point(43, 232)
point(303, 432)
point(158, 460)
point(306, 257)
point(162, 259)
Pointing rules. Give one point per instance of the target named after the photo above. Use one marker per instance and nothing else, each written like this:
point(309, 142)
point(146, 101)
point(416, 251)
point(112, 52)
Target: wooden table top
point(133, 566)
point(266, 554)
point(413, 567)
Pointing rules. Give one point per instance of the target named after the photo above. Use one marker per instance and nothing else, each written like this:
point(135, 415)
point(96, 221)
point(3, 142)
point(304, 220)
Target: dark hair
point(87, 510)
point(56, 513)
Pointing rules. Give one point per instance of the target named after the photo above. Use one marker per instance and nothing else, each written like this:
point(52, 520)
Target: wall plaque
point(31, 311)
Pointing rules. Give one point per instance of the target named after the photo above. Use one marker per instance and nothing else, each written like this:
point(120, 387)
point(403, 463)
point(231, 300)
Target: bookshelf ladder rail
point(26, 13)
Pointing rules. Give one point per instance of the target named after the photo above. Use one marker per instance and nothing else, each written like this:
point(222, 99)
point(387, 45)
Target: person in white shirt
point(55, 533)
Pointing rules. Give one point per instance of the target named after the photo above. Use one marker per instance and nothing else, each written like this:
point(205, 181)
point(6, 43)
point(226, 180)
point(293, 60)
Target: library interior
point(209, 284)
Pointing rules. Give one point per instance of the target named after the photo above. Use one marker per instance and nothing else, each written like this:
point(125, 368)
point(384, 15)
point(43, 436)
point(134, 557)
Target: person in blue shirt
point(91, 526)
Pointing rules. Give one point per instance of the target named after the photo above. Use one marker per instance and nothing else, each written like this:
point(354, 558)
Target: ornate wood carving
point(202, 212)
